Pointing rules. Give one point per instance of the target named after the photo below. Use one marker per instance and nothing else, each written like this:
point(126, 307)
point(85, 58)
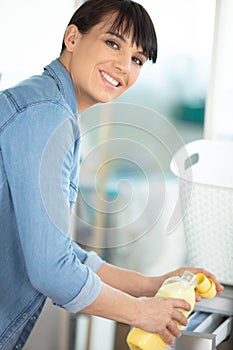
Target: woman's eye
point(138, 61)
point(112, 44)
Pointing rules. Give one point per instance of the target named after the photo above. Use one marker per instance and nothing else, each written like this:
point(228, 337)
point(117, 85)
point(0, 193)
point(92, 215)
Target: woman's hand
point(180, 271)
point(161, 315)
point(154, 315)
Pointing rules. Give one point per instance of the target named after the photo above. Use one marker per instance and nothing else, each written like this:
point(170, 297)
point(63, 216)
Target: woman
point(105, 45)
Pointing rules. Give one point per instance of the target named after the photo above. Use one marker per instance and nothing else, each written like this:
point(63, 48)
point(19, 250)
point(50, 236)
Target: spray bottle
point(183, 287)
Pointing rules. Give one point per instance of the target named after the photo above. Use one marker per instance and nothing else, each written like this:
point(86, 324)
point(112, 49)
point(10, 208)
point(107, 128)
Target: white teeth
point(110, 79)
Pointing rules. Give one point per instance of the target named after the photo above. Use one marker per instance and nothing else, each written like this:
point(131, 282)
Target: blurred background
point(31, 35)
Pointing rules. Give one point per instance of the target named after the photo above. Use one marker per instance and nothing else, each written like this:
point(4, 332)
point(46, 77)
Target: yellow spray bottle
point(183, 287)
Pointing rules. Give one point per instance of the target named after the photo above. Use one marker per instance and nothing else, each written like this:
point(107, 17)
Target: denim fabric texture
point(39, 158)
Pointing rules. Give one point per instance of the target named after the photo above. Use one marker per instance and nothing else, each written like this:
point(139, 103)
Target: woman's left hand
point(180, 271)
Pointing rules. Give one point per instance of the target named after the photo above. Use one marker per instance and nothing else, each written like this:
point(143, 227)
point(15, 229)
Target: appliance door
point(210, 325)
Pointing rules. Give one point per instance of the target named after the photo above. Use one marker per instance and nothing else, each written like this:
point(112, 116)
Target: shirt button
point(25, 315)
point(18, 346)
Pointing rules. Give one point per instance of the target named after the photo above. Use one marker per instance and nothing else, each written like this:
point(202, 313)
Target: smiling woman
point(102, 64)
point(105, 46)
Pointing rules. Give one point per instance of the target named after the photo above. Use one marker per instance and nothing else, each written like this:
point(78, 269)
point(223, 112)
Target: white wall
point(31, 34)
point(219, 112)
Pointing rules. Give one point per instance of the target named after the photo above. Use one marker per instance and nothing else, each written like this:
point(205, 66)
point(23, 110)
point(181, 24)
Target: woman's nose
point(123, 63)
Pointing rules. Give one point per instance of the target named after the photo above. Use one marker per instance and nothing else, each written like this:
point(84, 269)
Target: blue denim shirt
point(39, 156)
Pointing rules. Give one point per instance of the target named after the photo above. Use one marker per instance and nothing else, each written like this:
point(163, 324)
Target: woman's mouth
point(109, 79)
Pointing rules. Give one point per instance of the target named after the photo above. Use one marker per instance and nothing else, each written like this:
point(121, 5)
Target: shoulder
point(33, 91)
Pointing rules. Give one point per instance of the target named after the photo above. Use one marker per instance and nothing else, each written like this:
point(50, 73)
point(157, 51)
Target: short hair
point(131, 17)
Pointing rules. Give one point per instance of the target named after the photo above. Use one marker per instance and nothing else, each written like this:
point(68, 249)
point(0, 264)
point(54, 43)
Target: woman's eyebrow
point(123, 39)
point(119, 36)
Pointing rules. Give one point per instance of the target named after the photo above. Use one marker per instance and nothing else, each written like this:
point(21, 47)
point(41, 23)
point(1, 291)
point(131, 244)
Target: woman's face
point(102, 65)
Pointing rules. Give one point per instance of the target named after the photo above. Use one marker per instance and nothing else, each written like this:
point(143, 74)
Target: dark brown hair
point(131, 17)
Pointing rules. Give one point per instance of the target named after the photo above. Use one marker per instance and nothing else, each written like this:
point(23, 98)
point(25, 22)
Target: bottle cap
point(205, 287)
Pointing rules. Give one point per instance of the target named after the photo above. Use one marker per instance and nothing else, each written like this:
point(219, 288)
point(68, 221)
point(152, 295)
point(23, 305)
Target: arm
point(120, 300)
point(130, 282)
point(155, 315)
point(138, 285)
point(37, 153)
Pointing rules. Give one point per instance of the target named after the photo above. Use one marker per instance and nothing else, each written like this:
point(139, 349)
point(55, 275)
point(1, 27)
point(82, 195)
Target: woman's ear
point(71, 36)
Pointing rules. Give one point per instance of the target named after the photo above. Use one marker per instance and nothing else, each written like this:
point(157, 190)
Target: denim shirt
point(39, 156)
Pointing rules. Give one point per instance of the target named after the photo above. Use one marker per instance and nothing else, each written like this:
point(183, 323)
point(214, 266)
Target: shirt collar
point(64, 83)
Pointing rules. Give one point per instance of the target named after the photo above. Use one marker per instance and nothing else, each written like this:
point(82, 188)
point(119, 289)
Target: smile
point(109, 79)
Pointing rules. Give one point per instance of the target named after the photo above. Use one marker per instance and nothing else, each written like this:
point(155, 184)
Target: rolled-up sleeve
point(90, 259)
point(37, 151)
point(86, 296)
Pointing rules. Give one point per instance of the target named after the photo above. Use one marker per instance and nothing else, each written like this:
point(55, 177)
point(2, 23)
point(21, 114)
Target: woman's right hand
point(154, 315)
point(161, 315)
